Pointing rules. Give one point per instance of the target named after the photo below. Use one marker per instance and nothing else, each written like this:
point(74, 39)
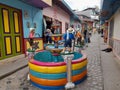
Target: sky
point(82, 4)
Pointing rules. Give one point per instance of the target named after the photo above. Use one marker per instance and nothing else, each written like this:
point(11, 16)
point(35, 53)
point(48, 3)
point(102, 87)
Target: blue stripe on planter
point(55, 76)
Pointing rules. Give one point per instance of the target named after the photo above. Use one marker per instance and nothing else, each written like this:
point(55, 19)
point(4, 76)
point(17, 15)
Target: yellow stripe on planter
point(56, 69)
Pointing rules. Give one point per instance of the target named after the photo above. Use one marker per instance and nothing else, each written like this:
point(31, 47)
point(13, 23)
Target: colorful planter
point(53, 75)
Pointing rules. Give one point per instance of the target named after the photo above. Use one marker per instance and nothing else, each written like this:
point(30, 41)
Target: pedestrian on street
point(86, 37)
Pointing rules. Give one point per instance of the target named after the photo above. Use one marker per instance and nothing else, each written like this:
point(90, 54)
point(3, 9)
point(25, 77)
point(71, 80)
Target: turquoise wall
point(71, 20)
point(34, 16)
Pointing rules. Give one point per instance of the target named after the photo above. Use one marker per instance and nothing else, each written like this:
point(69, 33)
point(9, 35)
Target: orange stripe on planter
point(59, 82)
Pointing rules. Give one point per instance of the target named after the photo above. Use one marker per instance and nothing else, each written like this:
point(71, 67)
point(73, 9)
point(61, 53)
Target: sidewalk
point(11, 65)
point(111, 69)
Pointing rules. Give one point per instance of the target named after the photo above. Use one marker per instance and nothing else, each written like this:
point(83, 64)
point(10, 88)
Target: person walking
point(86, 37)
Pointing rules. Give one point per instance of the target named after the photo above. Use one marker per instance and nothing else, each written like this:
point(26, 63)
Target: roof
point(88, 12)
point(88, 9)
point(85, 13)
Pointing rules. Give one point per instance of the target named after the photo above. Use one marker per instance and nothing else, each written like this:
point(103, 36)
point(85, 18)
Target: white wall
point(116, 33)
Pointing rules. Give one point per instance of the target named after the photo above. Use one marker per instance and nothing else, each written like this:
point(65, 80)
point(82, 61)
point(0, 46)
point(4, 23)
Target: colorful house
point(110, 13)
point(16, 19)
point(60, 14)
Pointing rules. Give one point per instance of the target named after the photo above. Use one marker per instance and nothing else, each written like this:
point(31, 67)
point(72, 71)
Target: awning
point(109, 7)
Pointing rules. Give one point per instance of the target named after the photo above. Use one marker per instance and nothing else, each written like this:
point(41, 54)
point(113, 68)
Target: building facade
point(61, 14)
point(111, 13)
point(16, 19)
point(19, 16)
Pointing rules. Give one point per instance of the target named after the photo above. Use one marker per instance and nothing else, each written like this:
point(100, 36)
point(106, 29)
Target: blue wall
point(35, 16)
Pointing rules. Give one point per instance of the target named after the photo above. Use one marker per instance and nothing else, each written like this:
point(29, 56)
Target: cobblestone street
point(94, 81)
point(59, 45)
point(17, 81)
point(95, 75)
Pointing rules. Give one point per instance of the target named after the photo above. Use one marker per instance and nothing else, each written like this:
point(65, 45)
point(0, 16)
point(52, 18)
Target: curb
point(11, 72)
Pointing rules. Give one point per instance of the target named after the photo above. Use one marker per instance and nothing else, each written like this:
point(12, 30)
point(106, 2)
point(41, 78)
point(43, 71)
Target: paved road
point(17, 81)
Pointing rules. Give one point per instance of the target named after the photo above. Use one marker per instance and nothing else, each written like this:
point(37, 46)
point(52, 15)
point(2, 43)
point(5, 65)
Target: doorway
point(111, 33)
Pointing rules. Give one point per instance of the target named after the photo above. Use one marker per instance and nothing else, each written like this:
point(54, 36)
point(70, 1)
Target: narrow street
point(103, 71)
point(30, 27)
point(95, 74)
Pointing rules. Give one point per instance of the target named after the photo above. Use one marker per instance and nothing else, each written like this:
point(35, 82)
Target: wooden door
point(10, 32)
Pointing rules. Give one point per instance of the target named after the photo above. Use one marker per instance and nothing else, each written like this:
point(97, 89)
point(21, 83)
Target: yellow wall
point(35, 40)
point(49, 2)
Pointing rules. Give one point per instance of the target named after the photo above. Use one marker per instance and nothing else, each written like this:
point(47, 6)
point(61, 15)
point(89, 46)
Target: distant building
point(89, 17)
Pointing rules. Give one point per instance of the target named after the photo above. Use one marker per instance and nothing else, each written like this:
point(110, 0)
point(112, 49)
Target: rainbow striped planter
point(53, 75)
